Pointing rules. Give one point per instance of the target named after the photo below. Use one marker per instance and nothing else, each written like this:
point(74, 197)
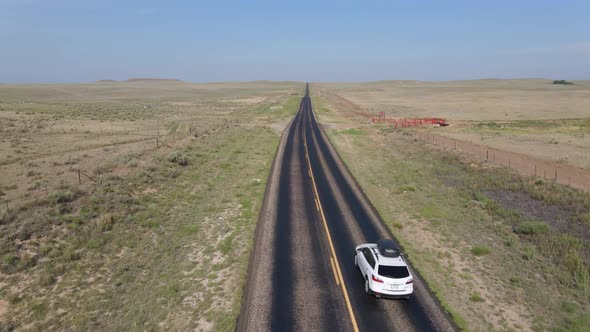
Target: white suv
point(384, 269)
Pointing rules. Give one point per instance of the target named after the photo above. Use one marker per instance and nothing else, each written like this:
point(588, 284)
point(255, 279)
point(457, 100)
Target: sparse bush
point(178, 158)
point(511, 240)
point(62, 196)
point(9, 259)
point(476, 297)
point(563, 82)
point(529, 253)
point(397, 225)
point(104, 223)
point(515, 281)
point(31, 173)
point(532, 228)
point(70, 255)
point(39, 309)
point(46, 278)
point(580, 273)
point(584, 218)
point(13, 298)
point(480, 250)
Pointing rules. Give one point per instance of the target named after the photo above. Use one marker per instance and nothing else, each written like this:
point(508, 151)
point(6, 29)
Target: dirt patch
point(560, 220)
point(279, 126)
point(3, 307)
point(528, 206)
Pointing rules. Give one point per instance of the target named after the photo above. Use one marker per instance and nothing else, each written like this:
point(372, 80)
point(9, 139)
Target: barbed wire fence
point(551, 171)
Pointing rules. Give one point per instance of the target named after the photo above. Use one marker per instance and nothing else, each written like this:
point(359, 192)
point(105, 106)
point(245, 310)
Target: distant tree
point(563, 82)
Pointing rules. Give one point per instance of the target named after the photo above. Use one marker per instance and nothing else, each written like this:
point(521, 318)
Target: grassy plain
point(500, 251)
point(162, 240)
point(529, 116)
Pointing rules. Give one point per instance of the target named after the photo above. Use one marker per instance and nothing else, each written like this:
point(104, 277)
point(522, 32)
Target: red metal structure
point(413, 122)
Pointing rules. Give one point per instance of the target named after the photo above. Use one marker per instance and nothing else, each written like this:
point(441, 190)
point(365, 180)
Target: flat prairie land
point(502, 252)
point(529, 116)
point(156, 231)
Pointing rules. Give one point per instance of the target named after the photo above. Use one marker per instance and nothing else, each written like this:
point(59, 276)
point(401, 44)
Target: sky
point(45, 41)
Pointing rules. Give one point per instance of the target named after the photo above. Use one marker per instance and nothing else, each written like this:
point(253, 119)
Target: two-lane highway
point(301, 275)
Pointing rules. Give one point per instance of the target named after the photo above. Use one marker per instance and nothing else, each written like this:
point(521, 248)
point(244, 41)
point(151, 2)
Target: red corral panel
point(411, 122)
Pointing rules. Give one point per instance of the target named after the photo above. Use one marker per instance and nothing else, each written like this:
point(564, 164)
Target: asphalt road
point(302, 275)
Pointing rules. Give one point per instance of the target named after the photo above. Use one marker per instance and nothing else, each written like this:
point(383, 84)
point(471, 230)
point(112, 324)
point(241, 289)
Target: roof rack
point(388, 248)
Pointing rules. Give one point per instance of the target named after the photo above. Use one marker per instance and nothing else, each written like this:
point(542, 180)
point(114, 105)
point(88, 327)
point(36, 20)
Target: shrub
point(531, 228)
point(105, 223)
point(39, 309)
point(63, 196)
point(178, 158)
point(529, 253)
point(480, 250)
point(585, 218)
point(511, 240)
point(475, 297)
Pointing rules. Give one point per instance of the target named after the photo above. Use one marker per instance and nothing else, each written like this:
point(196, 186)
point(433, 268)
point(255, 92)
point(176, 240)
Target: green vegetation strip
point(542, 256)
point(166, 248)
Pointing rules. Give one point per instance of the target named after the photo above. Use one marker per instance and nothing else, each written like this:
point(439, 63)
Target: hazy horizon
point(139, 79)
point(66, 41)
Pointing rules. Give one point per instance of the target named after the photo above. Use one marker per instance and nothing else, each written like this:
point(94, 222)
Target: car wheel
point(367, 289)
point(356, 263)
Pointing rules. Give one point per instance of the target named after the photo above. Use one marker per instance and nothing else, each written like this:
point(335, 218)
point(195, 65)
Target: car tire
point(356, 263)
point(367, 289)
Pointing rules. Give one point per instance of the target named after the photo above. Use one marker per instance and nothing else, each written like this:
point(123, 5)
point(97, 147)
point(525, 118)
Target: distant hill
point(563, 82)
point(105, 81)
point(139, 79)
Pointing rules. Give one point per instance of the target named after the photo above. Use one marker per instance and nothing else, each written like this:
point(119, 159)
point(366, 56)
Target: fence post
point(487, 155)
point(535, 170)
point(508, 163)
point(79, 177)
point(157, 143)
point(545, 174)
point(555, 175)
point(455, 145)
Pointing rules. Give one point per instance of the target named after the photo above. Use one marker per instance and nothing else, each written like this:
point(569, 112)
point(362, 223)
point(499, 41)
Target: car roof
point(382, 260)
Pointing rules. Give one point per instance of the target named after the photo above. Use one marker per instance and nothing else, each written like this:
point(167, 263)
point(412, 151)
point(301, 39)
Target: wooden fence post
point(79, 177)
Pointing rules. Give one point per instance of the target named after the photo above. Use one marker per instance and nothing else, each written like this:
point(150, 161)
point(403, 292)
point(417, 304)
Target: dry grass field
point(502, 252)
point(530, 116)
point(158, 233)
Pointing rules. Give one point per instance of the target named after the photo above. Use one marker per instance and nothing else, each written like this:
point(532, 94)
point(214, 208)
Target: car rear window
point(393, 271)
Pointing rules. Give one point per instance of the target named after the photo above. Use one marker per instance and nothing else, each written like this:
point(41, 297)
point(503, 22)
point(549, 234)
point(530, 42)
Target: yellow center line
point(334, 270)
point(336, 265)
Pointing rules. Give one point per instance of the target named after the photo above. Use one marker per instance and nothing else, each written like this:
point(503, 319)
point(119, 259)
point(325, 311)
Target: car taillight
point(409, 281)
point(376, 279)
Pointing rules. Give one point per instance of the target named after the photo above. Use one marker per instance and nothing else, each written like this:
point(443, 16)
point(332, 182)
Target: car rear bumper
point(386, 293)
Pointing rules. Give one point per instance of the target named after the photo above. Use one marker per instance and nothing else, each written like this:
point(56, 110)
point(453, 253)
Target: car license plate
point(393, 286)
